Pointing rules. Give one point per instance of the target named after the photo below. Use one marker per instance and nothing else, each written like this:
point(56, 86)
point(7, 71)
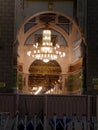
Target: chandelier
point(47, 51)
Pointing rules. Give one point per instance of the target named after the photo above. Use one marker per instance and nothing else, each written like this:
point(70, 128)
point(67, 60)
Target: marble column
point(64, 86)
point(25, 83)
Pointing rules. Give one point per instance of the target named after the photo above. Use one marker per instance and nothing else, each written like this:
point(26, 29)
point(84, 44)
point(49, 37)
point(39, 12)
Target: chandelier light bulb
point(45, 60)
point(29, 53)
point(47, 51)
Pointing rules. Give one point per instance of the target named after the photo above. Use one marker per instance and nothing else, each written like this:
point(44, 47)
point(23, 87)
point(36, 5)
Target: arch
point(52, 26)
point(54, 12)
point(44, 75)
point(43, 70)
point(50, 68)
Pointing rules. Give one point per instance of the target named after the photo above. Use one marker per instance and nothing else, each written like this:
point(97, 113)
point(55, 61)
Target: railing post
point(7, 121)
point(84, 123)
point(35, 122)
point(54, 119)
point(74, 122)
point(25, 122)
point(16, 122)
point(45, 122)
point(94, 123)
point(64, 121)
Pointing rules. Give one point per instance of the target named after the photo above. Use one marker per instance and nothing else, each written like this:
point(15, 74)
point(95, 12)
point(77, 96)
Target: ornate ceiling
point(53, 18)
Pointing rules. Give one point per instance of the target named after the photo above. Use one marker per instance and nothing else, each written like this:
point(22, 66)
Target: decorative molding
point(51, 68)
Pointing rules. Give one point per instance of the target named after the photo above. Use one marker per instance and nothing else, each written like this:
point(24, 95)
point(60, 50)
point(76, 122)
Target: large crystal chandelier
point(46, 51)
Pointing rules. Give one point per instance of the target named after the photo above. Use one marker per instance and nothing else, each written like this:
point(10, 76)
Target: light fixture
point(47, 51)
point(38, 90)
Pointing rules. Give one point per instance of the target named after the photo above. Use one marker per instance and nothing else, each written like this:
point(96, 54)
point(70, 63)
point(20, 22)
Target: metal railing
point(43, 123)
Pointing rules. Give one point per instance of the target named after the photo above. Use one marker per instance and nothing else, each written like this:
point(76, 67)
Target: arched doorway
point(68, 36)
point(45, 75)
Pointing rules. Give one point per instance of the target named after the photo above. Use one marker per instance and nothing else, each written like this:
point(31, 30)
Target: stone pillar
point(25, 83)
point(64, 84)
point(84, 66)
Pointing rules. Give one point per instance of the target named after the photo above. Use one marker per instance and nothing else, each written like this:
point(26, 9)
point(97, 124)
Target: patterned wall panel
point(6, 41)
